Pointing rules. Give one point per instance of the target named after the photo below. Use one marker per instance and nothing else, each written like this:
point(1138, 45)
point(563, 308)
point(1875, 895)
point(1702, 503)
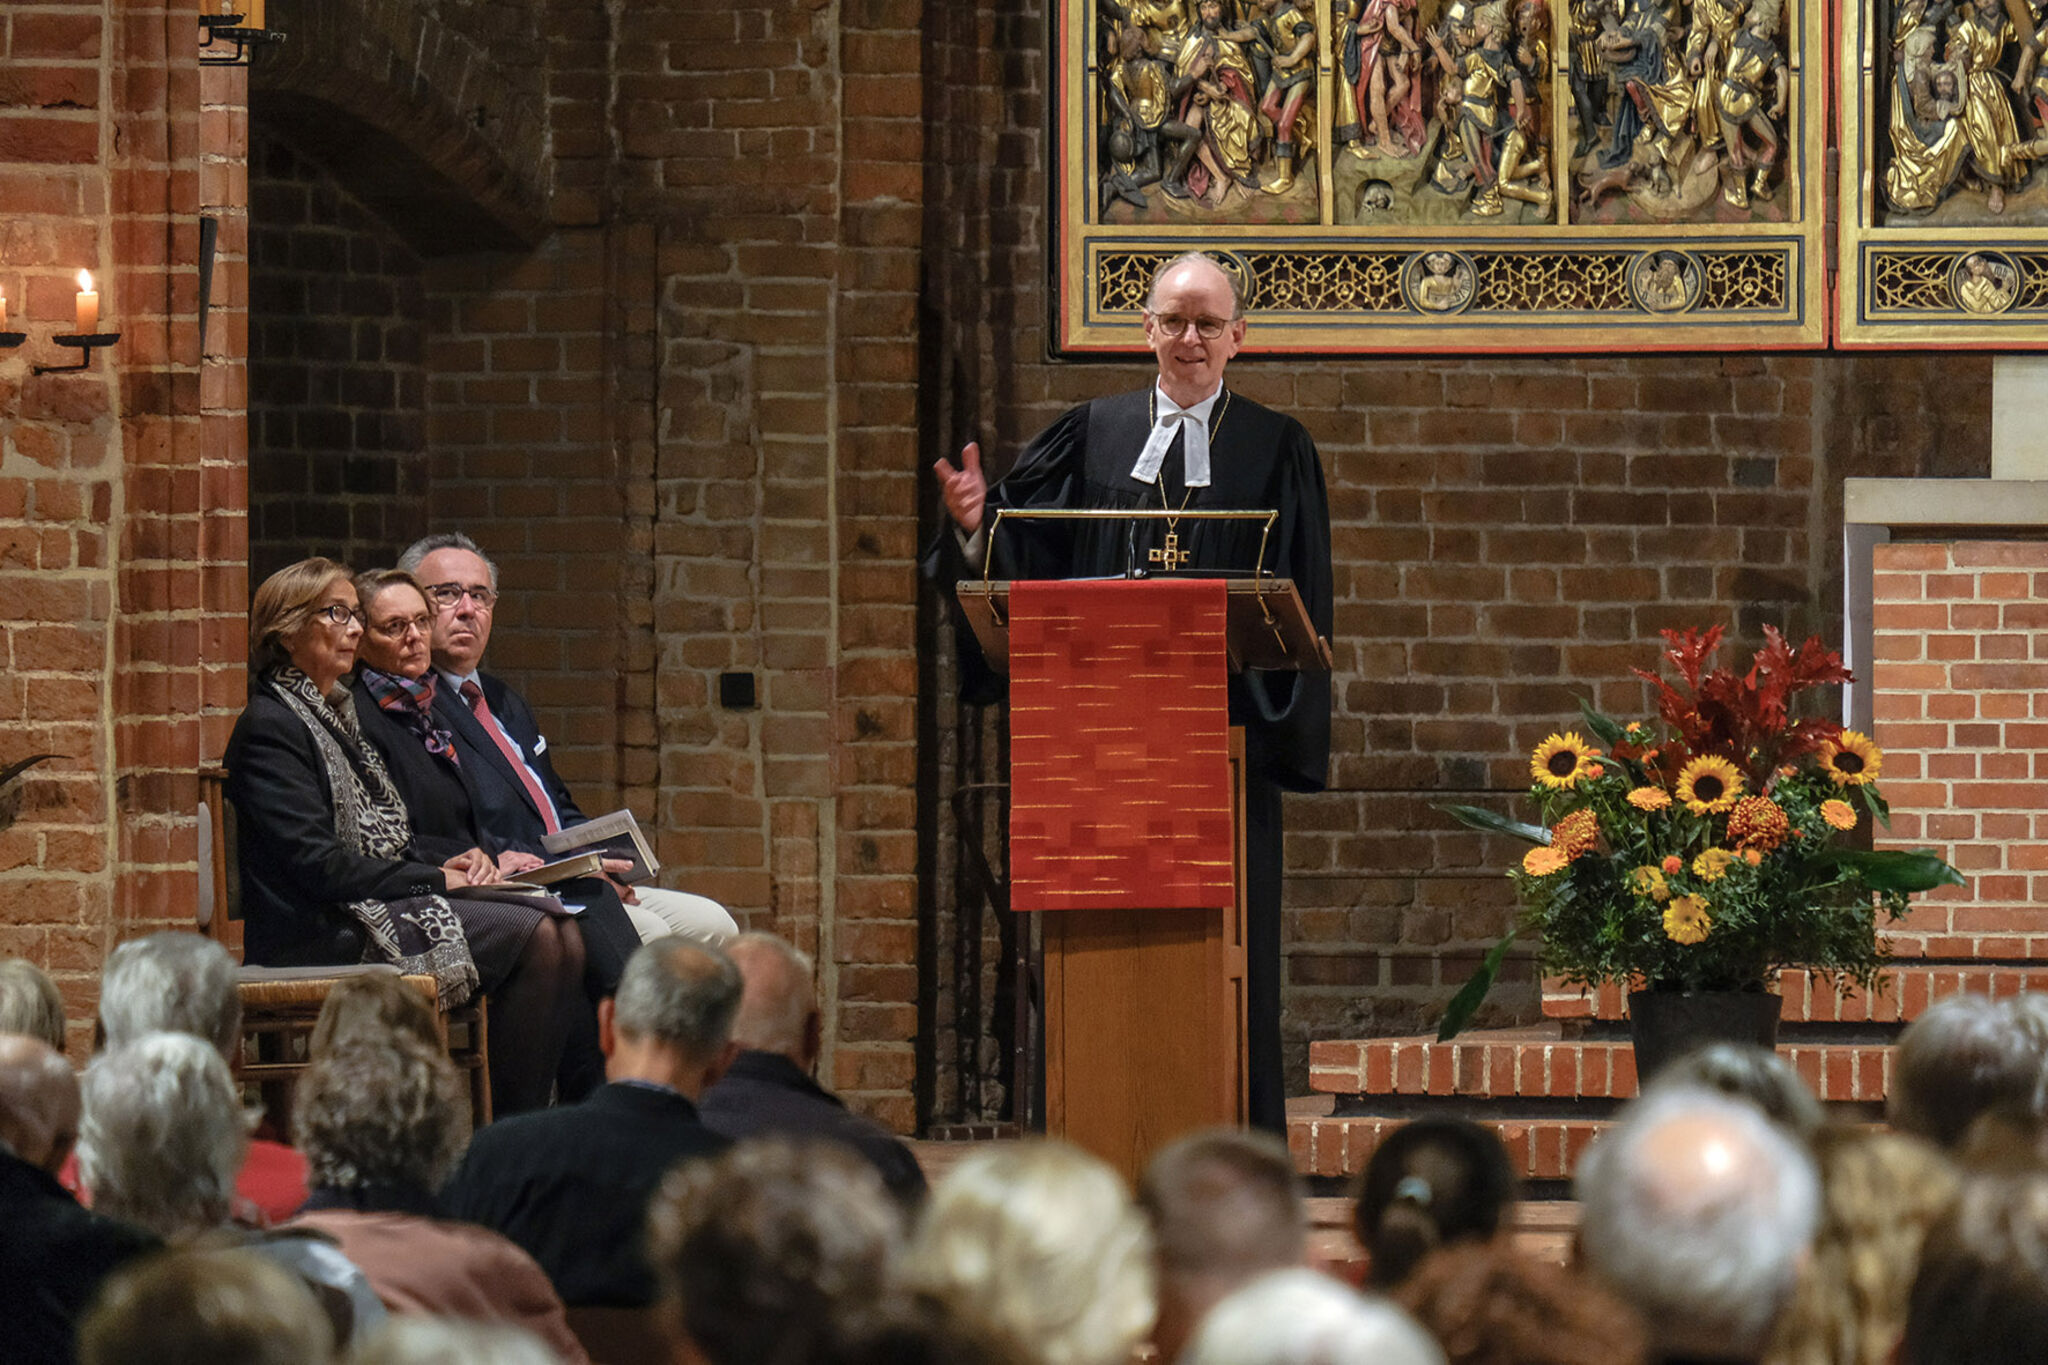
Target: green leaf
point(1466, 1002)
point(1492, 822)
point(1880, 809)
point(1610, 732)
point(1894, 869)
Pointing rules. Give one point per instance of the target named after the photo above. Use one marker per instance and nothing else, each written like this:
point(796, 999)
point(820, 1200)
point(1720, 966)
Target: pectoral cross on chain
point(1172, 556)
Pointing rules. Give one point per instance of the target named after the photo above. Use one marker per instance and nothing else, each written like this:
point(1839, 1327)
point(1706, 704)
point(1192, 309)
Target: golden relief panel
point(1447, 174)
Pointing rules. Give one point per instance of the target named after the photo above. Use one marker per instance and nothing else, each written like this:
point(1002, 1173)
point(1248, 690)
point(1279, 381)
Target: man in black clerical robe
point(1133, 451)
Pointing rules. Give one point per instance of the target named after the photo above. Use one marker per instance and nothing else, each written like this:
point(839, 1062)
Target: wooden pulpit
point(1127, 835)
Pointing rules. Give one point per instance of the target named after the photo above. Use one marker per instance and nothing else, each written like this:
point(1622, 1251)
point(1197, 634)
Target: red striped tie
point(474, 695)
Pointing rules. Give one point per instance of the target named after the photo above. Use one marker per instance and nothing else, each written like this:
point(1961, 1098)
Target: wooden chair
point(281, 1004)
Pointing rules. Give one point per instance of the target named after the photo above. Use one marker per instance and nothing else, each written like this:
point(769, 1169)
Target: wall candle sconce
point(246, 27)
point(88, 338)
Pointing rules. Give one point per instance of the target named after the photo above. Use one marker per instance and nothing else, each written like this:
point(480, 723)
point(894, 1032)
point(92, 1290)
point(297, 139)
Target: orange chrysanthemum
point(1709, 785)
point(1673, 863)
point(1851, 759)
point(1686, 919)
point(1576, 834)
point(1563, 761)
point(1649, 798)
point(1838, 814)
point(1758, 822)
point(1542, 861)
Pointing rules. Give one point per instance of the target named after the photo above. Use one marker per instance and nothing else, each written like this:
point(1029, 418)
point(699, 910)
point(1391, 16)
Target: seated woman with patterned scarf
point(330, 870)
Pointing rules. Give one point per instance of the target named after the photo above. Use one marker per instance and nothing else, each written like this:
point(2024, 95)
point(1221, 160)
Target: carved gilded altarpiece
point(1431, 175)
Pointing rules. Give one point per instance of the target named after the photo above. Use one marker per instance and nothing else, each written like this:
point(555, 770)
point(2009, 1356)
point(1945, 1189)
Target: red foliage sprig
point(1745, 718)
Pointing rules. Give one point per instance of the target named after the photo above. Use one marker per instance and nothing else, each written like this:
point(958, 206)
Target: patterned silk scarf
point(420, 935)
point(412, 701)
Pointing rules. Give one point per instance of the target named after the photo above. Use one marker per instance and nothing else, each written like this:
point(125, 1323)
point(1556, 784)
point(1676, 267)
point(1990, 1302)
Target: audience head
point(778, 1003)
point(163, 1136)
point(771, 1250)
point(1040, 1245)
point(1295, 1316)
point(1225, 1207)
point(1748, 1072)
point(387, 1113)
point(1880, 1192)
point(367, 1010)
point(1967, 1055)
point(1981, 1294)
point(1697, 1210)
point(285, 612)
point(451, 563)
point(206, 1308)
point(30, 1003)
point(671, 1019)
point(1429, 1183)
point(410, 1339)
point(398, 622)
point(39, 1103)
point(1487, 1304)
point(172, 982)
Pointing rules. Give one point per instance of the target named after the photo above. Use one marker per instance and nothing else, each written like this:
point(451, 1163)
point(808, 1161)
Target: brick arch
point(414, 118)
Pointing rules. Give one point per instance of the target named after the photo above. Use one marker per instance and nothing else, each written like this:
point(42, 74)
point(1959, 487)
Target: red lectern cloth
point(1119, 746)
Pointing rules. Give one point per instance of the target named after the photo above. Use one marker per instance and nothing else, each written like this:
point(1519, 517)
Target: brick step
point(1904, 995)
point(1337, 1146)
point(1540, 1062)
point(1540, 1228)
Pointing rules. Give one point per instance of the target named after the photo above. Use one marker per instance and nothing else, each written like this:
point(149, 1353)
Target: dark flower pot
point(1668, 1024)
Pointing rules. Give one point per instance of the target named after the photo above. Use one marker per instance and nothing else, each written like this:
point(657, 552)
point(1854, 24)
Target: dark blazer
point(504, 812)
point(571, 1185)
point(53, 1256)
point(766, 1094)
point(438, 795)
point(297, 876)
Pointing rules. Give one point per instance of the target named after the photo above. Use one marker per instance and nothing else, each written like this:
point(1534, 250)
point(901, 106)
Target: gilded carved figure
point(1380, 86)
point(1967, 109)
point(1496, 123)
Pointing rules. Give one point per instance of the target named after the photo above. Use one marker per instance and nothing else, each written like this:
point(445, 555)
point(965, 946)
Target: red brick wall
point(120, 586)
point(1960, 637)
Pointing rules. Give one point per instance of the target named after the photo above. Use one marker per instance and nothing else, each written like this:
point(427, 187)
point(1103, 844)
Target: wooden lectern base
point(1144, 1019)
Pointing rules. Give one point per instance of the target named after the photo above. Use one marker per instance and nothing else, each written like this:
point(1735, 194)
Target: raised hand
point(965, 489)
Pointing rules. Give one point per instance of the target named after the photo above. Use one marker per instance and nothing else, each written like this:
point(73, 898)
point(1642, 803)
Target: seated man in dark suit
point(515, 794)
point(769, 1090)
point(53, 1254)
point(571, 1185)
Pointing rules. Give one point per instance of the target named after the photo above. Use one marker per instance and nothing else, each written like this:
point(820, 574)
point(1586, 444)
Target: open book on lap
point(613, 836)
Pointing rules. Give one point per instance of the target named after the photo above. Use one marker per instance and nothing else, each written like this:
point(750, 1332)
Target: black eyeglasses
point(398, 629)
point(449, 594)
point(338, 615)
point(1207, 328)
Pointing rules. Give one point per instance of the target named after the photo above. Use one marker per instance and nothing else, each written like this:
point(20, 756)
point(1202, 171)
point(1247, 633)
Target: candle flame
point(85, 281)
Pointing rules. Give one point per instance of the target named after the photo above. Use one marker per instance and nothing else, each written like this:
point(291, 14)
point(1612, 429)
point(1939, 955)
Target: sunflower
point(1648, 881)
point(1851, 759)
point(1709, 785)
point(1686, 919)
point(1649, 798)
point(1577, 833)
point(1838, 814)
point(1758, 822)
point(1562, 760)
point(1544, 860)
point(1712, 865)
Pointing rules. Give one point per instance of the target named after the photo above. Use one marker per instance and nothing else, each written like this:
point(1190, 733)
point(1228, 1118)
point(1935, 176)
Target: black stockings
point(533, 1012)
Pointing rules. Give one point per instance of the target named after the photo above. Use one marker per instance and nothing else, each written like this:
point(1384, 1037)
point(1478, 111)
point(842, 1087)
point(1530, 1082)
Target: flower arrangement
point(1709, 853)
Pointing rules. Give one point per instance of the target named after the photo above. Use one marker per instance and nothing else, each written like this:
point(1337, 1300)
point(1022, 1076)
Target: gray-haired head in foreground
point(171, 983)
point(444, 540)
point(163, 1135)
point(1752, 1073)
point(1225, 1203)
point(777, 999)
point(205, 1308)
point(1697, 1210)
point(389, 1114)
point(30, 1002)
point(1967, 1055)
point(678, 992)
point(412, 1340)
point(38, 1101)
point(1980, 1296)
point(1295, 1316)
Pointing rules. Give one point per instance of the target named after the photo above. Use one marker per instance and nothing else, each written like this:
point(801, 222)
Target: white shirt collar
point(1170, 418)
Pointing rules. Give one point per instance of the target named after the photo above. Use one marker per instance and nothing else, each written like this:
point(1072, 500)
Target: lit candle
point(88, 305)
point(3, 310)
